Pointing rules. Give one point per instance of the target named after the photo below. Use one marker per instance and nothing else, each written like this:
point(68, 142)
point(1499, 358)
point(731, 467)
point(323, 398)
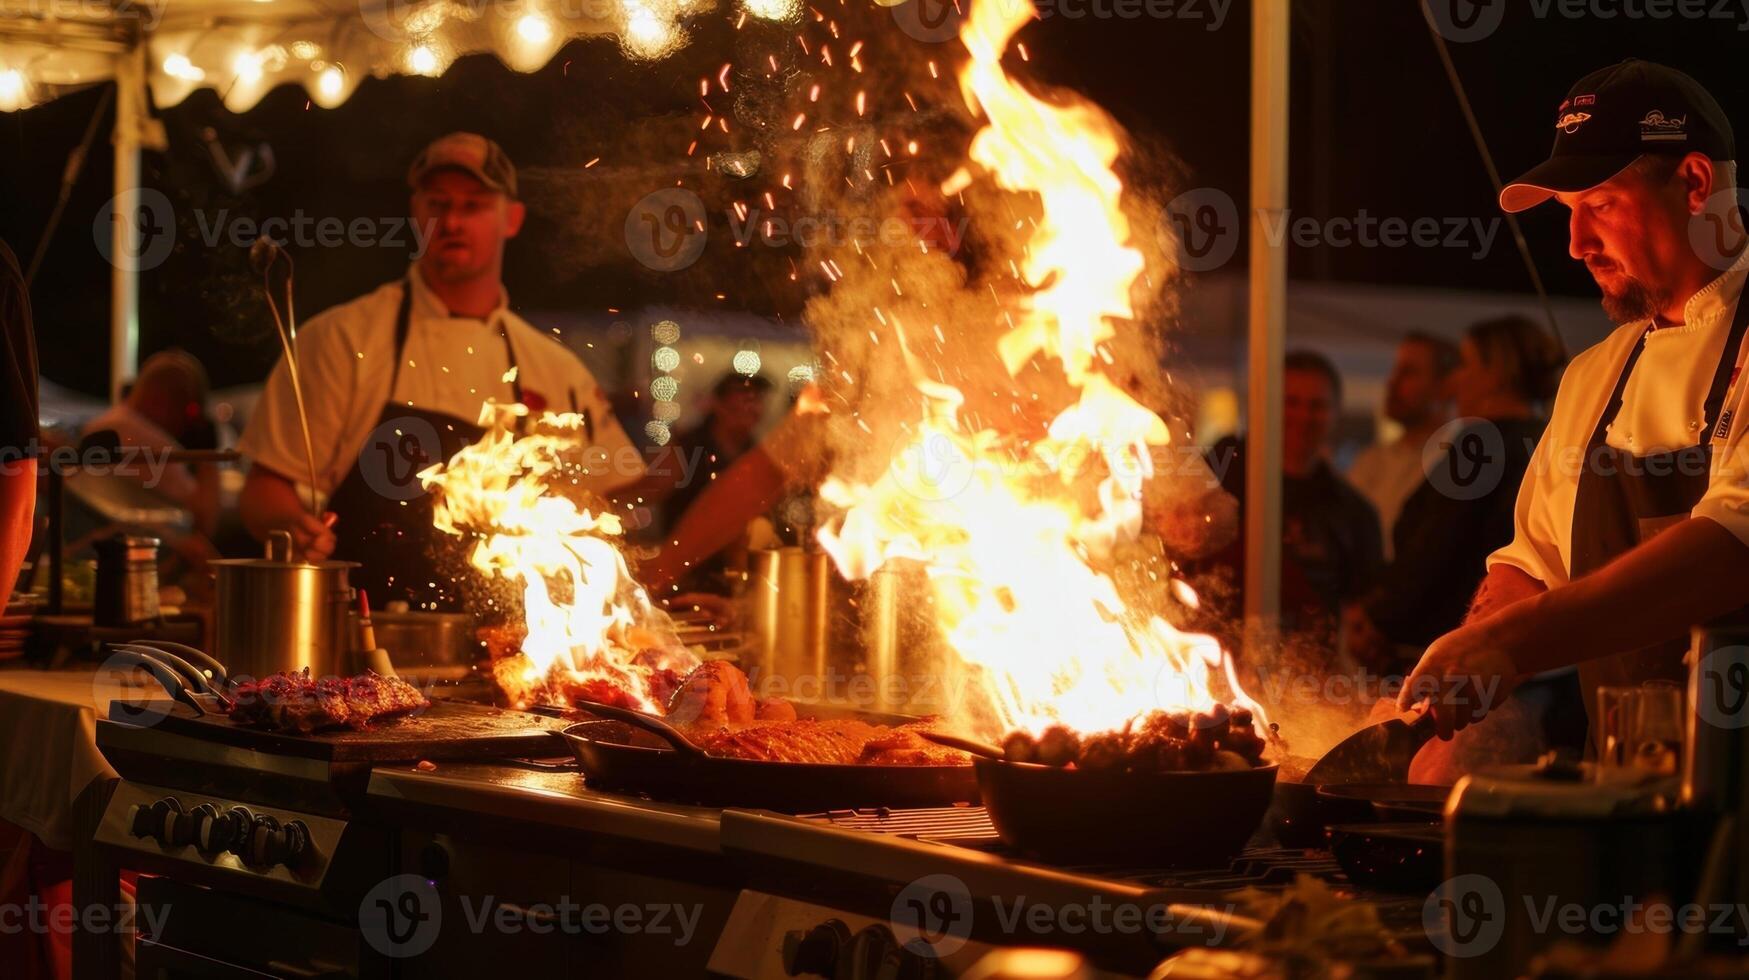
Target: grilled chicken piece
point(717, 693)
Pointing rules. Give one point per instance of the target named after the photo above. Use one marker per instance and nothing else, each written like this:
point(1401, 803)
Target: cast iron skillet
point(1167, 819)
point(637, 753)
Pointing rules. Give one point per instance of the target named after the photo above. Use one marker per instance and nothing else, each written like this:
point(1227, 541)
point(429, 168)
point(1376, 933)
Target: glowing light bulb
point(247, 67)
point(329, 84)
point(422, 60)
point(746, 362)
point(177, 65)
point(534, 29)
point(646, 35)
point(772, 9)
point(12, 90)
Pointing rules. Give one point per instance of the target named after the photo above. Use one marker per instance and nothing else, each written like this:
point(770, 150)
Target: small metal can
point(127, 580)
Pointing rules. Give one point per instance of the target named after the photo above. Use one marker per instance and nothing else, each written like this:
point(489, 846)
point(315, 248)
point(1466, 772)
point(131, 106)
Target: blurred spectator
point(128, 482)
point(693, 460)
point(1462, 511)
point(165, 410)
point(695, 457)
point(1418, 398)
point(18, 419)
point(1331, 548)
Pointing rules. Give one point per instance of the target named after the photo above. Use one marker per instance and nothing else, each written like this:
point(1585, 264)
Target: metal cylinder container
point(274, 614)
point(127, 580)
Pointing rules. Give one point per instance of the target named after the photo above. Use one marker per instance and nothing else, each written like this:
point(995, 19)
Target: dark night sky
point(1375, 127)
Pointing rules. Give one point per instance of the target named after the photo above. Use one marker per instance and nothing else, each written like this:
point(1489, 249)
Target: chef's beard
point(1633, 302)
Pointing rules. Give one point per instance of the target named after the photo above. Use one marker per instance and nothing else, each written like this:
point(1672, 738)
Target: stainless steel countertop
point(558, 800)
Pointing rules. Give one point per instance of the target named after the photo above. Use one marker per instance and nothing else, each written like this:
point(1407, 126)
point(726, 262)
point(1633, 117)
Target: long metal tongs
point(263, 255)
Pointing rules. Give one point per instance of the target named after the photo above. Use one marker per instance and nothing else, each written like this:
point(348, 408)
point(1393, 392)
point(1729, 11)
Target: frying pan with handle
point(628, 751)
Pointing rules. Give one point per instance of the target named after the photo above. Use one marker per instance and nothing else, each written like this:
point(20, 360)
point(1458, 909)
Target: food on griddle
point(716, 707)
point(836, 741)
point(775, 709)
point(1179, 741)
point(716, 693)
point(296, 703)
point(1058, 746)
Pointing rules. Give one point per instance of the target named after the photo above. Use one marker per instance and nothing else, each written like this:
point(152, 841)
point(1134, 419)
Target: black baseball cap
point(1613, 117)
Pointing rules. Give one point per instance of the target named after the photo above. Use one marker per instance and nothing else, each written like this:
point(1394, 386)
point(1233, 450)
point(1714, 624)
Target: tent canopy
point(244, 48)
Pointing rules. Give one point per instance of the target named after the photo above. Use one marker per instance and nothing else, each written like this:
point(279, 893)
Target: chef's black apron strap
point(1612, 408)
point(403, 326)
point(1726, 372)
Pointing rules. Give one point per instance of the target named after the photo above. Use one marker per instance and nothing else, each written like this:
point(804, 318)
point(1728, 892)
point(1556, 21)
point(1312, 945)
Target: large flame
point(1020, 539)
point(590, 627)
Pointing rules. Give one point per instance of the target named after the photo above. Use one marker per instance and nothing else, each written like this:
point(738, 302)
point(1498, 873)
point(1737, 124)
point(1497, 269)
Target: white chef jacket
point(450, 364)
point(1387, 474)
point(1663, 408)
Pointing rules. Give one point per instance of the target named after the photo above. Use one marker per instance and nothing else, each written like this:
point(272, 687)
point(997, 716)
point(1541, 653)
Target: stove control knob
point(816, 951)
point(256, 850)
point(214, 829)
point(287, 844)
point(158, 821)
point(874, 954)
point(233, 830)
point(179, 829)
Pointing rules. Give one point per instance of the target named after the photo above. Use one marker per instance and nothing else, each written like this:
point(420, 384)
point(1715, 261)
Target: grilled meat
point(717, 693)
point(837, 741)
point(296, 703)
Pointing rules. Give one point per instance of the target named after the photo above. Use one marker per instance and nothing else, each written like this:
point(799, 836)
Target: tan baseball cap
point(470, 153)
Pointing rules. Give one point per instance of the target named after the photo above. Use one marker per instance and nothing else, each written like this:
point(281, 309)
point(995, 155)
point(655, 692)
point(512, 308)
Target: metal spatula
point(1378, 753)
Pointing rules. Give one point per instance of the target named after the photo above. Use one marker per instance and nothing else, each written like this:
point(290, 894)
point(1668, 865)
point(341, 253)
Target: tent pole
point(1267, 319)
point(125, 231)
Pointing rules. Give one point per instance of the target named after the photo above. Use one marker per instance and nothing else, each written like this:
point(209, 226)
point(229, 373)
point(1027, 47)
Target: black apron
point(384, 514)
point(1624, 500)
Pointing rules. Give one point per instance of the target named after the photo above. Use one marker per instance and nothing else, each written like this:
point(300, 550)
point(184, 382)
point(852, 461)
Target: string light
point(247, 67)
point(422, 60)
point(329, 85)
point(177, 65)
point(12, 90)
point(534, 29)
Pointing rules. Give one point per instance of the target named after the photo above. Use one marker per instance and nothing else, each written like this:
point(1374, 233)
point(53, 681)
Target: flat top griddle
point(448, 731)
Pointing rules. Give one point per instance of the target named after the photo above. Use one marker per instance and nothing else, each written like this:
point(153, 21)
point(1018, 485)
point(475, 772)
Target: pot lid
point(326, 565)
point(1562, 791)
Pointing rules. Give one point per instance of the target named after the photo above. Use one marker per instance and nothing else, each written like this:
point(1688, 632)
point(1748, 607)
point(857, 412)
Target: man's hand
point(1465, 674)
point(271, 502)
point(312, 538)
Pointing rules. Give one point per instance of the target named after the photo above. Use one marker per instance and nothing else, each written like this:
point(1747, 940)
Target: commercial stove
point(265, 864)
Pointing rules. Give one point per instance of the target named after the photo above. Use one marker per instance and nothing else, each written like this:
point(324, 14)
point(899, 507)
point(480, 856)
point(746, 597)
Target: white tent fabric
point(244, 48)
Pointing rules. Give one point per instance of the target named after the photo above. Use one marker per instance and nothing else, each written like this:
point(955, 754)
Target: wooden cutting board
point(448, 731)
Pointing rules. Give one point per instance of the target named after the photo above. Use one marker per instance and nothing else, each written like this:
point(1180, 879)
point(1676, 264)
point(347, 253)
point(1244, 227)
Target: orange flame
point(1020, 542)
point(586, 618)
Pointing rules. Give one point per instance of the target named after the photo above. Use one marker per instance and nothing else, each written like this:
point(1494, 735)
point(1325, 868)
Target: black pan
point(635, 755)
point(1166, 819)
point(1383, 802)
point(1396, 857)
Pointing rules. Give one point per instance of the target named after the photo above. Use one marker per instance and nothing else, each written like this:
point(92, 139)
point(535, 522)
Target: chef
point(1632, 524)
point(395, 380)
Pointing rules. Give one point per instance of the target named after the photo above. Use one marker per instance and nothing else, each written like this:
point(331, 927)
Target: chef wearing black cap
point(395, 380)
point(1633, 522)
